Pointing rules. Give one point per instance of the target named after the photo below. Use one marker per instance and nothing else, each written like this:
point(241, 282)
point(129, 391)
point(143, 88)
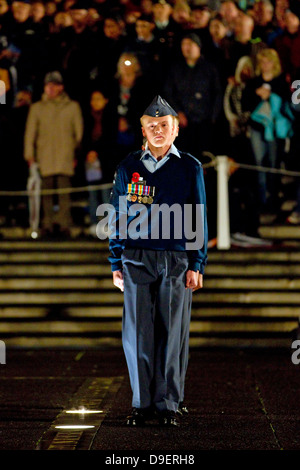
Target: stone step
point(258, 312)
point(84, 343)
point(54, 270)
point(111, 328)
point(116, 298)
point(61, 294)
point(281, 232)
point(53, 257)
point(61, 246)
point(273, 232)
point(89, 283)
point(96, 269)
point(87, 251)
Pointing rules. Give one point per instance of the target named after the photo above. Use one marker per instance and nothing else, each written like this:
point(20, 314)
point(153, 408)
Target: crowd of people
point(79, 73)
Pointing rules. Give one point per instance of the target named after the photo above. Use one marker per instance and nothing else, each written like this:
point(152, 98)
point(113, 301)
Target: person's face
point(190, 50)
point(263, 13)
point(243, 26)
point(111, 29)
point(38, 11)
point(53, 90)
point(200, 18)
point(23, 98)
point(161, 12)
point(160, 132)
point(146, 6)
point(217, 30)
point(229, 11)
point(79, 16)
point(181, 15)
point(143, 29)
point(50, 8)
point(21, 11)
point(127, 72)
point(266, 64)
point(292, 21)
point(3, 7)
point(98, 101)
point(62, 19)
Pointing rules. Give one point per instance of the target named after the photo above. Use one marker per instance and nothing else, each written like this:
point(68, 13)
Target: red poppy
point(135, 177)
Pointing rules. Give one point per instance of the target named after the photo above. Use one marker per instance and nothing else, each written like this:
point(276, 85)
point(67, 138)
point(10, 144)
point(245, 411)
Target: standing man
point(154, 265)
point(193, 88)
point(53, 132)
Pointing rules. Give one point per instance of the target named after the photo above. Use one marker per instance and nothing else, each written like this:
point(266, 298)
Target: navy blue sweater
point(178, 182)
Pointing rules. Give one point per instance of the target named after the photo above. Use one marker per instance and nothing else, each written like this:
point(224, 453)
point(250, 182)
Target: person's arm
point(197, 254)
point(30, 135)
point(116, 243)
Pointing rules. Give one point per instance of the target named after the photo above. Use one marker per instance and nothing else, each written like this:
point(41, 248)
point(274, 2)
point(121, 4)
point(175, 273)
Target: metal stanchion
point(223, 222)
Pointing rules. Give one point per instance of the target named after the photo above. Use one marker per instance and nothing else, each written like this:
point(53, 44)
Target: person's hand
point(118, 280)
point(199, 283)
point(193, 280)
point(30, 161)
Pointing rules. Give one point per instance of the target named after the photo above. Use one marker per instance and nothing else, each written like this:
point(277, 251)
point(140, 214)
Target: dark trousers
point(156, 326)
point(63, 216)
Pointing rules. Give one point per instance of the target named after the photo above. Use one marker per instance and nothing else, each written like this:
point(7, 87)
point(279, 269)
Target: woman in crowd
point(267, 97)
point(129, 94)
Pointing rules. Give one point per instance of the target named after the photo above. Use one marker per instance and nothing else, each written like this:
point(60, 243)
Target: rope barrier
point(79, 189)
point(48, 192)
point(265, 169)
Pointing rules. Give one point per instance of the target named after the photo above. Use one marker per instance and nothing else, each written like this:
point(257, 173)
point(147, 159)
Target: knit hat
point(193, 37)
point(54, 77)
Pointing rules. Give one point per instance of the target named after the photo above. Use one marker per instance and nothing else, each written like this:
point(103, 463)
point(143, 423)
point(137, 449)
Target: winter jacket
point(276, 117)
point(53, 131)
point(196, 91)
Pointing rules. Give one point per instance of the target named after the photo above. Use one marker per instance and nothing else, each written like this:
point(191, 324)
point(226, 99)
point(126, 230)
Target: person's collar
point(150, 39)
point(162, 24)
point(172, 150)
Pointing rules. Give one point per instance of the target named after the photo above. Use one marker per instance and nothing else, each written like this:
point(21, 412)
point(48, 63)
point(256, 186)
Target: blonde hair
point(273, 56)
point(243, 62)
point(174, 118)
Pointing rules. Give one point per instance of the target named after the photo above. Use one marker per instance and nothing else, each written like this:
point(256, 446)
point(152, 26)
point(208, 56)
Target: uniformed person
point(153, 264)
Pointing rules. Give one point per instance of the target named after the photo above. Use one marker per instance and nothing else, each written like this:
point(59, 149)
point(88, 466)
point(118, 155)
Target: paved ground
point(238, 400)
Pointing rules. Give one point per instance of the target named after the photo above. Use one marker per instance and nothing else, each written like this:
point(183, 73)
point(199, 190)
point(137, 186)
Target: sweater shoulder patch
point(190, 158)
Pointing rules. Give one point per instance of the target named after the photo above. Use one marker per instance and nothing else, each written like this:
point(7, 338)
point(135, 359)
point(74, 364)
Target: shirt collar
point(172, 150)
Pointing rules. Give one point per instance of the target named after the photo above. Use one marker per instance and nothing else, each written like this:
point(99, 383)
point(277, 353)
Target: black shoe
point(168, 418)
point(182, 410)
point(137, 417)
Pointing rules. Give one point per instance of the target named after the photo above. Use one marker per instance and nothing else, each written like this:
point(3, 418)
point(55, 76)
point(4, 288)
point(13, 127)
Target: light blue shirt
point(151, 162)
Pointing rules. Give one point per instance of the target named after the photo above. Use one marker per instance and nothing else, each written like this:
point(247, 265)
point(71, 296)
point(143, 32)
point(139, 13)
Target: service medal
point(133, 198)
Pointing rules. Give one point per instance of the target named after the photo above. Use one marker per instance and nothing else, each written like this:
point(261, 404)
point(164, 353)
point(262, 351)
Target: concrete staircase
point(60, 294)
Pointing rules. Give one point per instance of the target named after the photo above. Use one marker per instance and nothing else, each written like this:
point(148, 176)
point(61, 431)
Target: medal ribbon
point(140, 189)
